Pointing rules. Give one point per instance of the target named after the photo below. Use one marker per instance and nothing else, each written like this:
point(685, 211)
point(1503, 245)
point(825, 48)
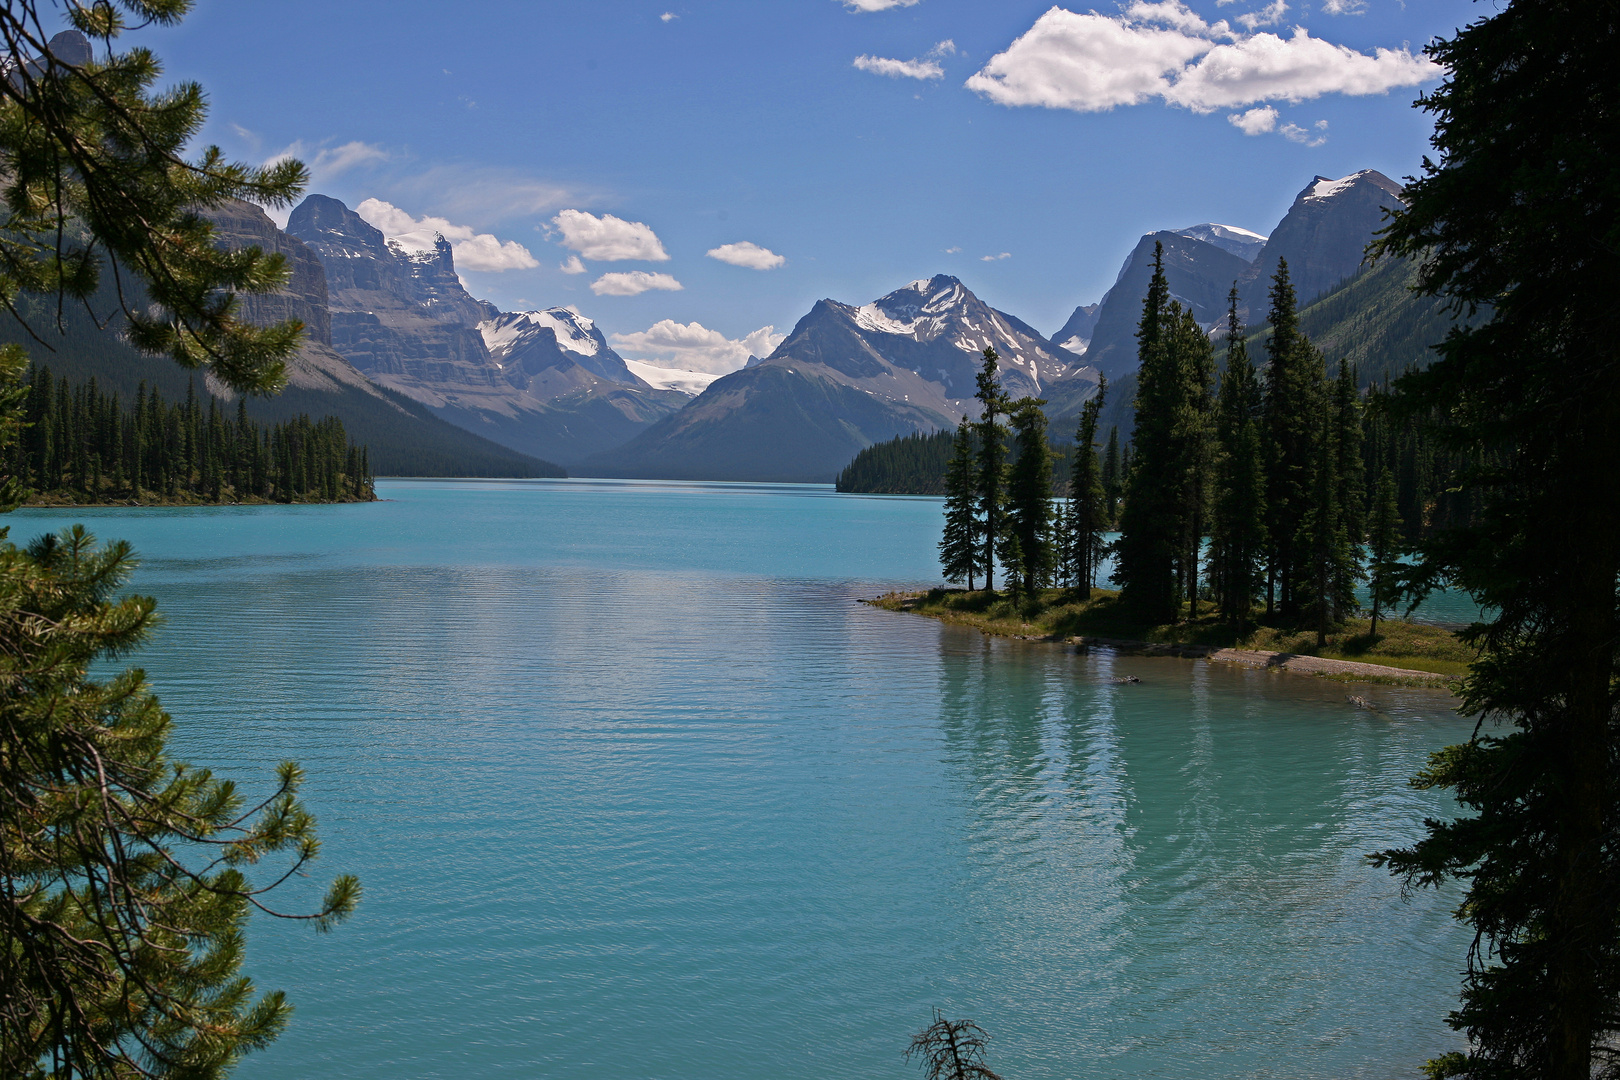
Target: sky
point(695, 174)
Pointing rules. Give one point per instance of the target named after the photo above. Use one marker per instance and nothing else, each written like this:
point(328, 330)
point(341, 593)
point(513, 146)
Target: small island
point(1400, 652)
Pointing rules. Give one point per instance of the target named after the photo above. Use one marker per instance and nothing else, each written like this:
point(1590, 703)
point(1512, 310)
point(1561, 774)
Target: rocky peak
point(1324, 236)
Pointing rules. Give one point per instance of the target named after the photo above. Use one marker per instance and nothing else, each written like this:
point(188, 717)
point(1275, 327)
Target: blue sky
point(749, 122)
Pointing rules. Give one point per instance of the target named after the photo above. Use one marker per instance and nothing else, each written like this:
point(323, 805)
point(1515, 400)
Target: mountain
point(1076, 334)
point(845, 378)
point(1229, 238)
point(541, 382)
point(1200, 275)
point(1324, 237)
point(403, 438)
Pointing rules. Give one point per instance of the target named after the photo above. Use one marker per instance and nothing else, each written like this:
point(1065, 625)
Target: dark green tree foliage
point(123, 873)
point(85, 446)
point(909, 465)
point(1029, 494)
point(94, 179)
point(1113, 473)
point(992, 464)
point(1383, 541)
point(1521, 213)
point(1194, 445)
point(1238, 523)
point(1164, 514)
point(1291, 424)
point(959, 545)
point(1150, 526)
point(1351, 495)
point(1088, 498)
point(1325, 567)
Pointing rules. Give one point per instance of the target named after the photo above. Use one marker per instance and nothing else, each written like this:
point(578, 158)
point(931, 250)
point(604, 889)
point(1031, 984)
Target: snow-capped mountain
point(532, 341)
point(1240, 242)
point(846, 377)
point(1324, 236)
point(543, 382)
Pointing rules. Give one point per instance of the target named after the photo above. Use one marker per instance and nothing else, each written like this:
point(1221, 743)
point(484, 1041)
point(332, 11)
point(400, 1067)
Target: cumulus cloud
point(1257, 121)
point(1267, 16)
point(669, 16)
point(633, 283)
point(875, 5)
point(607, 238)
point(995, 258)
point(1344, 7)
point(572, 266)
point(1165, 51)
point(694, 347)
point(927, 67)
point(953, 251)
point(748, 255)
point(472, 250)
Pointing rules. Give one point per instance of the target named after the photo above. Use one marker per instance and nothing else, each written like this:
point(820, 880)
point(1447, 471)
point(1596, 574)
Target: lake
point(637, 789)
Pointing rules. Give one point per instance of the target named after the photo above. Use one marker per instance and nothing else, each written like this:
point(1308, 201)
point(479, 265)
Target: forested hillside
point(84, 445)
point(909, 465)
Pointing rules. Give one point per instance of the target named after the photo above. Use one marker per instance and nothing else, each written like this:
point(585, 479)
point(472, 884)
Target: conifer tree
point(1515, 218)
point(1291, 425)
point(1029, 493)
point(1150, 526)
point(1324, 560)
point(1383, 540)
point(992, 464)
point(1112, 473)
point(1351, 494)
point(1238, 526)
point(1193, 435)
point(959, 546)
point(1089, 499)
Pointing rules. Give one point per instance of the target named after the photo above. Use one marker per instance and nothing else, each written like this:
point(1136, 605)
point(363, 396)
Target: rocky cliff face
point(317, 366)
point(545, 383)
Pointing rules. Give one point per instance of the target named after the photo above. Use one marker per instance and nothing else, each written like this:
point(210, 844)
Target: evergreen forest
point(82, 445)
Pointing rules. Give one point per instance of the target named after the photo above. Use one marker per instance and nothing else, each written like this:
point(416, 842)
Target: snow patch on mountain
point(661, 378)
point(573, 331)
point(1325, 188)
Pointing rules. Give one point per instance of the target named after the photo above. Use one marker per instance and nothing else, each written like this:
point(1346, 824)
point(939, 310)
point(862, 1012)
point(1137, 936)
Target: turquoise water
point(637, 789)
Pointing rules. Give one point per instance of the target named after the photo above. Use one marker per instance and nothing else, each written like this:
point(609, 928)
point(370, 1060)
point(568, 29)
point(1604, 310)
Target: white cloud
point(1315, 135)
point(900, 69)
point(1092, 63)
point(472, 250)
point(694, 347)
point(748, 255)
point(1257, 121)
point(927, 67)
point(572, 266)
point(953, 251)
point(876, 5)
point(607, 238)
point(633, 283)
point(669, 16)
point(995, 258)
point(1269, 15)
point(1344, 7)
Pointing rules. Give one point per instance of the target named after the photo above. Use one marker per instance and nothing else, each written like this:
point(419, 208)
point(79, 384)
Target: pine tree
point(1351, 494)
point(1089, 497)
point(1291, 426)
point(992, 463)
point(1113, 474)
point(1029, 492)
point(1150, 526)
point(1238, 525)
point(1193, 435)
point(1515, 218)
point(1383, 540)
point(1324, 559)
point(959, 546)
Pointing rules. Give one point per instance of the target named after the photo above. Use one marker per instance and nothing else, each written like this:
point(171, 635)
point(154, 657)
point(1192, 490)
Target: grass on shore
point(1062, 613)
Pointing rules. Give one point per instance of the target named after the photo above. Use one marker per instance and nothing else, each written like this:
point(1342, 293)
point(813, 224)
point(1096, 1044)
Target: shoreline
point(1295, 663)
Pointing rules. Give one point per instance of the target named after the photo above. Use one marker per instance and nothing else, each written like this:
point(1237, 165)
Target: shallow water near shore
point(636, 788)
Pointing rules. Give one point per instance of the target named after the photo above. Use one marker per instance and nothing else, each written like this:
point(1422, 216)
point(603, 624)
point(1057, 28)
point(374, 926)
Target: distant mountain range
point(435, 380)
